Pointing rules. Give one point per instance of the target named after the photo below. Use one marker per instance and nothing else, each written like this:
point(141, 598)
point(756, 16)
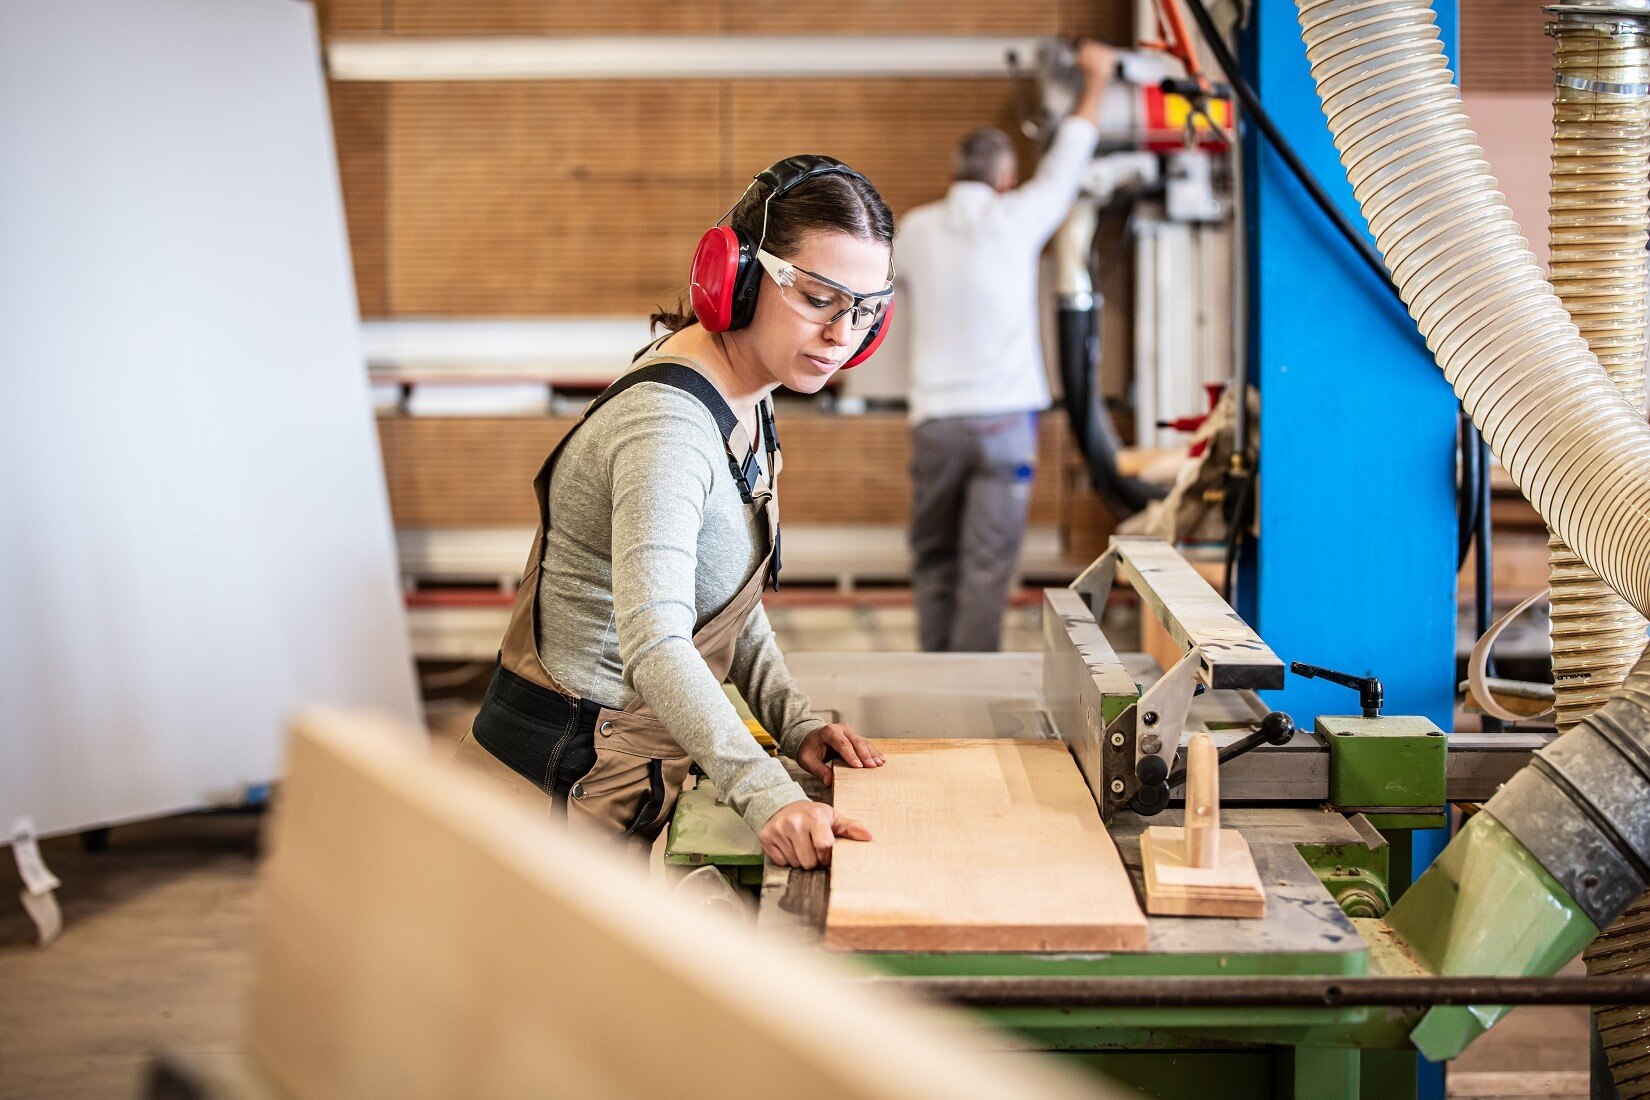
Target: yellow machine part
point(752, 723)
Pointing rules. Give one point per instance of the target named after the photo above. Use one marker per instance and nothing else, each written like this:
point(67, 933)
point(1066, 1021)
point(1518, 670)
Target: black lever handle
point(1275, 729)
point(1192, 90)
point(1371, 695)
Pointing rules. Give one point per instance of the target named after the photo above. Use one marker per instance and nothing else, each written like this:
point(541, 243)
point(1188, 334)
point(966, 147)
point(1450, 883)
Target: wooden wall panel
point(352, 16)
point(1107, 20)
point(465, 471)
point(1504, 47)
point(478, 471)
point(555, 16)
point(857, 469)
point(895, 17)
point(358, 125)
point(527, 198)
point(899, 133)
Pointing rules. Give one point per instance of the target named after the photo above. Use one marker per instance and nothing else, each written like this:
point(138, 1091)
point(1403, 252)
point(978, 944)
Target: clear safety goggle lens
point(822, 302)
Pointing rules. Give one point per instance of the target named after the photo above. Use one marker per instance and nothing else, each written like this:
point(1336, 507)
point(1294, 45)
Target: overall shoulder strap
point(769, 432)
point(745, 470)
point(679, 375)
point(670, 373)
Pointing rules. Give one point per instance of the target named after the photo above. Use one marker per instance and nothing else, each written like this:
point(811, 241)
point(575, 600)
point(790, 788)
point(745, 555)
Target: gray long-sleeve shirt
point(648, 540)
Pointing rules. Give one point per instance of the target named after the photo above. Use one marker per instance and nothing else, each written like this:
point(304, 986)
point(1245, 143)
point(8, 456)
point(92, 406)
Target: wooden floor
point(157, 927)
point(153, 955)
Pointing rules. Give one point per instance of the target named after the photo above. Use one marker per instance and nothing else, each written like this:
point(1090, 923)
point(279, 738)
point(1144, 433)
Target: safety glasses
point(820, 300)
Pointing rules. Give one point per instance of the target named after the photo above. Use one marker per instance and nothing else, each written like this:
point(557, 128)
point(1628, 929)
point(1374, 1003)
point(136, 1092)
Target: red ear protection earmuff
point(725, 278)
point(717, 263)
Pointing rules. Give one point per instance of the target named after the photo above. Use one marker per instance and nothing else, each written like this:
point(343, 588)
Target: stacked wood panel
point(579, 198)
point(1504, 47)
point(1108, 19)
point(544, 198)
point(538, 198)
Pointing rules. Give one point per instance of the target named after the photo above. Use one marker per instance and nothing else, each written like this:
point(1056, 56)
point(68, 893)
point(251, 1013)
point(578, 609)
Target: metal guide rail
point(1125, 731)
point(1130, 762)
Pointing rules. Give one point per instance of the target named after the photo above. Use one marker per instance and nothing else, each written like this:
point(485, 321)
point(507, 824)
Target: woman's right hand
point(803, 833)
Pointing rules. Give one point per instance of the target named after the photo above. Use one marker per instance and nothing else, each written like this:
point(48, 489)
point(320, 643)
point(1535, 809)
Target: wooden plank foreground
point(426, 936)
point(981, 845)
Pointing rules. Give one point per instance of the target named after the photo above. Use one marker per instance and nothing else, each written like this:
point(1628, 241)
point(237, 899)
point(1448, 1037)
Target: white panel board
point(672, 56)
point(195, 537)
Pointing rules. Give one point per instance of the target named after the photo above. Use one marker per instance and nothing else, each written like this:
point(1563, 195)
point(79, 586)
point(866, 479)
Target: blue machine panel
point(1355, 564)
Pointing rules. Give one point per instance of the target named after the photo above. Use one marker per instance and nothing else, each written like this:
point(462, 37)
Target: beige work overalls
point(639, 769)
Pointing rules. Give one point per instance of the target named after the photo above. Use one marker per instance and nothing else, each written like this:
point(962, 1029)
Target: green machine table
point(1324, 863)
point(1165, 1052)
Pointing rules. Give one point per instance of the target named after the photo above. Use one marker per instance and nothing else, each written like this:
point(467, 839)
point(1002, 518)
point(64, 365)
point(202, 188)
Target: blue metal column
point(1355, 563)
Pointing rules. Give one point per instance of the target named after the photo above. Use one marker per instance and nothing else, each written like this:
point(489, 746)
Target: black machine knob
point(1371, 695)
point(1153, 794)
point(1276, 728)
point(1194, 90)
point(1150, 801)
point(1152, 770)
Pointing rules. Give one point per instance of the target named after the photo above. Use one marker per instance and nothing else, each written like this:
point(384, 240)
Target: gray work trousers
point(970, 492)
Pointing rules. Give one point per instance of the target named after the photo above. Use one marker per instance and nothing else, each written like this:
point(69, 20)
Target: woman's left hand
point(843, 740)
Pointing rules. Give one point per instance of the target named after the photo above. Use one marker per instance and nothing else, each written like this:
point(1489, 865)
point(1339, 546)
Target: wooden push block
point(1200, 870)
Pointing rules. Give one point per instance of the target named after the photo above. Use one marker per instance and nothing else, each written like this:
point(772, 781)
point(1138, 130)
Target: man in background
point(968, 291)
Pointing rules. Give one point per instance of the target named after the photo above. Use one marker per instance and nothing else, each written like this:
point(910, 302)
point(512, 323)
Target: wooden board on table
point(980, 845)
point(1174, 888)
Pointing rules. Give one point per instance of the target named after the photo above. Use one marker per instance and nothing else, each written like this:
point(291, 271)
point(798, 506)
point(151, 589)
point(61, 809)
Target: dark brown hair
point(846, 204)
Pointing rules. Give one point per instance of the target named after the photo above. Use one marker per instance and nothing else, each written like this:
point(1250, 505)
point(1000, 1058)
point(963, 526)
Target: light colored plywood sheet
point(898, 133)
point(980, 846)
point(426, 936)
point(531, 198)
point(191, 495)
point(1174, 887)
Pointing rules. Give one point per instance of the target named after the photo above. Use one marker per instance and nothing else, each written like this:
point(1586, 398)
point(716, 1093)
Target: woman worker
point(659, 530)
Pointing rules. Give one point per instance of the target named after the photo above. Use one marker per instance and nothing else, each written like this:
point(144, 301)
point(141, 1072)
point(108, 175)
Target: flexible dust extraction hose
point(1600, 207)
point(1572, 442)
point(1078, 348)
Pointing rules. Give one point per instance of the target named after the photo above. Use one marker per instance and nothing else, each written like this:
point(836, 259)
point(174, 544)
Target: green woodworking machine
point(1354, 971)
point(1327, 813)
